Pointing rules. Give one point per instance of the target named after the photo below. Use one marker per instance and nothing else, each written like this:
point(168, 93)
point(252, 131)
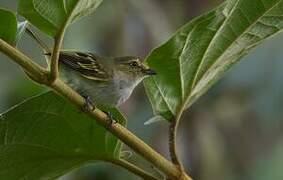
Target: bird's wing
point(87, 64)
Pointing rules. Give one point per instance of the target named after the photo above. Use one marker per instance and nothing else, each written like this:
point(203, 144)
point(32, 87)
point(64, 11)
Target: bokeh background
point(235, 131)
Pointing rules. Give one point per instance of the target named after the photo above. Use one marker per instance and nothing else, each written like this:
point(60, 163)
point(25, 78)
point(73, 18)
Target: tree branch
point(54, 70)
point(42, 45)
point(25, 62)
point(173, 131)
point(117, 130)
point(172, 142)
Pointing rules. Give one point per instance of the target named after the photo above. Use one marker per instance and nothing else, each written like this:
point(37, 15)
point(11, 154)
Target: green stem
point(134, 169)
point(42, 45)
point(172, 142)
point(117, 130)
point(54, 70)
point(37, 72)
point(173, 132)
point(120, 131)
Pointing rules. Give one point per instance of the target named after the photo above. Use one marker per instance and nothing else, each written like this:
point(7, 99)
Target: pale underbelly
point(104, 93)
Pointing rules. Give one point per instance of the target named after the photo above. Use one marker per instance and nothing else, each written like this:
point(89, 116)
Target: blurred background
point(233, 132)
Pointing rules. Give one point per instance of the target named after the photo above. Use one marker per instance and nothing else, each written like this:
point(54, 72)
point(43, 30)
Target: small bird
point(104, 81)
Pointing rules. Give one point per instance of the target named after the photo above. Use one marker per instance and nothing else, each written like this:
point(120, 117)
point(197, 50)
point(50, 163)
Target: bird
point(102, 81)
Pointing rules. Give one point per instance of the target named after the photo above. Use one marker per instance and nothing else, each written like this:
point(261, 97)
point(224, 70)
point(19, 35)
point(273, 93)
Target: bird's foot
point(111, 120)
point(89, 105)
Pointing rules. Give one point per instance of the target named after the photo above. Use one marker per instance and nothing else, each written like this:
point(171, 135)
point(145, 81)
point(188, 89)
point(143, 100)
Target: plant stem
point(117, 130)
point(41, 44)
point(54, 69)
point(25, 62)
point(172, 142)
point(173, 130)
point(134, 169)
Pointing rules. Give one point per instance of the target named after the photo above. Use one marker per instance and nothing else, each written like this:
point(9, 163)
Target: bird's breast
point(124, 90)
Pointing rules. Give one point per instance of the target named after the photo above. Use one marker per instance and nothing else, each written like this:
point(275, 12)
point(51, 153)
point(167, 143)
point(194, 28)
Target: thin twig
point(133, 168)
point(173, 131)
point(54, 69)
point(172, 142)
point(117, 130)
point(33, 70)
point(43, 46)
point(46, 50)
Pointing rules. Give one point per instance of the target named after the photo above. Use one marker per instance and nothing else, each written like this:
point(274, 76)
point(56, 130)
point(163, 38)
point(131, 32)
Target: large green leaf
point(52, 15)
point(8, 26)
point(45, 136)
point(201, 51)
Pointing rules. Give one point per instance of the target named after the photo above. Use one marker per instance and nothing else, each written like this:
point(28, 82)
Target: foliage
point(201, 51)
point(8, 26)
point(45, 136)
point(51, 16)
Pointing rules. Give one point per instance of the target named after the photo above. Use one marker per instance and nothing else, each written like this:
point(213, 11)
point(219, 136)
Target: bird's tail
point(43, 46)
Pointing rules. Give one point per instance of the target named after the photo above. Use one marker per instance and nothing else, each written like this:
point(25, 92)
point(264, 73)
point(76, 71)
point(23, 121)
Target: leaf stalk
point(54, 70)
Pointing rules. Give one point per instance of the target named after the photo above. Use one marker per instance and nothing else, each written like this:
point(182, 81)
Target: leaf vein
point(248, 27)
point(163, 97)
point(211, 42)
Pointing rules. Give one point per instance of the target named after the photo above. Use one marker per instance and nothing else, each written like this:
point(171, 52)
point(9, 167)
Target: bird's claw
point(89, 105)
point(111, 119)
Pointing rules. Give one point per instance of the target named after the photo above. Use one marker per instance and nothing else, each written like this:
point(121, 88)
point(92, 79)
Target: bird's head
point(133, 67)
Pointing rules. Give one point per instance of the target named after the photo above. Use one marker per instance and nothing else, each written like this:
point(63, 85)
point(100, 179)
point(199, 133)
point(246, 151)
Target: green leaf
point(8, 27)
point(50, 16)
point(202, 50)
point(45, 136)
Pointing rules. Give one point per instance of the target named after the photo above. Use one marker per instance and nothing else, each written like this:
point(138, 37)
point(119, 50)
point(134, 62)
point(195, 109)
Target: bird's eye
point(134, 64)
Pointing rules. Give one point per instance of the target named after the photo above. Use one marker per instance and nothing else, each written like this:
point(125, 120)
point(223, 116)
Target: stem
point(172, 142)
point(134, 169)
point(173, 132)
point(54, 72)
point(42, 45)
point(29, 66)
point(117, 130)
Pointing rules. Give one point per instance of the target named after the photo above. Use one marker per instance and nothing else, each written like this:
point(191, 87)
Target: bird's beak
point(149, 72)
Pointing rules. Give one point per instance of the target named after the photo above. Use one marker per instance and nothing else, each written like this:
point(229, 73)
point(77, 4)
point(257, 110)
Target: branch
point(134, 169)
point(33, 69)
point(42, 45)
point(117, 130)
point(172, 142)
point(54, 72)
point(173, 131)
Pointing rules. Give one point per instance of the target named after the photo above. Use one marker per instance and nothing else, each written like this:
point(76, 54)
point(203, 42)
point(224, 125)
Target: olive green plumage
point(104, 80)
